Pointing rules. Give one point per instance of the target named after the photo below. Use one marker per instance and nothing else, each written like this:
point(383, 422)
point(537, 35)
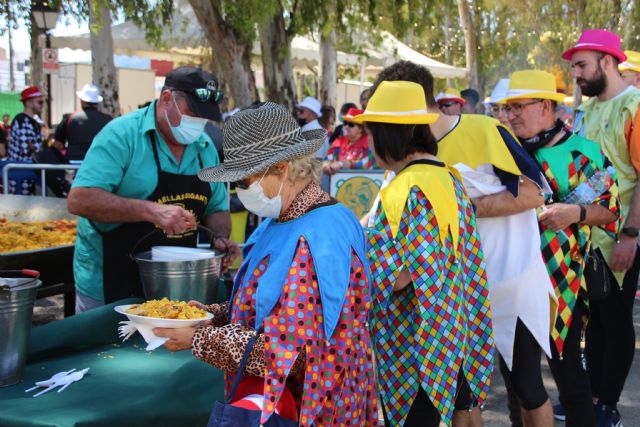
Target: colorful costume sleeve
point(368, 162)
point(609, 200)
point(332, 153)
point(632, 135)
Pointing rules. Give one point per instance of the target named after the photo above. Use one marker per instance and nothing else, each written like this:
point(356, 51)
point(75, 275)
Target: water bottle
point(594, 187)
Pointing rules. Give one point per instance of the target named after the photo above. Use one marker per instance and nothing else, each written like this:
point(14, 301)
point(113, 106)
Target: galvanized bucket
point(180, 280)
point(17, 296)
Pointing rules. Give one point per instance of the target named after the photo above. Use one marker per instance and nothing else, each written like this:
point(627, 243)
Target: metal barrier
point(42, 167)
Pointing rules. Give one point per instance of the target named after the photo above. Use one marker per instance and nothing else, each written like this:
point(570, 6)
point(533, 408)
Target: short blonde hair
point(301, 168)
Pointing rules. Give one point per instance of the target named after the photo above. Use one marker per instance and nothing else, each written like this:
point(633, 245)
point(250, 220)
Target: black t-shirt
point(79, 129)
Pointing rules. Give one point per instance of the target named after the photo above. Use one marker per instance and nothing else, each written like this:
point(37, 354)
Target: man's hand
point(624, 252)
point(558, 216)
point(172, 219)
point(179, 339)
point(231, 249)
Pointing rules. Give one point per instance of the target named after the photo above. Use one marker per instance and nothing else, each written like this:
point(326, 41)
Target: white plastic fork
point(47, 383)
point(64, 381)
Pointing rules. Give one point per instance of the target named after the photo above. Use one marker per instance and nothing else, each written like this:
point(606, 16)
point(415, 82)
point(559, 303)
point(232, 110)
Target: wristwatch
point(583, 213)
point(630, 231)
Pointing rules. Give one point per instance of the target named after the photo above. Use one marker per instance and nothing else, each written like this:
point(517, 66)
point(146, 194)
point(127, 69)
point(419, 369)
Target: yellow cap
point(632, 63)
point(397, 102)
point(535, 84)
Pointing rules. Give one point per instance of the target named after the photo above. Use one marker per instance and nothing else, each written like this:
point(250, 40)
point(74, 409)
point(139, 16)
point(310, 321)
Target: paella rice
point(167, 309)
point(27, 236)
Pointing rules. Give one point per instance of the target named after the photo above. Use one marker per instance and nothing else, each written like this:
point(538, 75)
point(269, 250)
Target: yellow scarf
point(437, 185)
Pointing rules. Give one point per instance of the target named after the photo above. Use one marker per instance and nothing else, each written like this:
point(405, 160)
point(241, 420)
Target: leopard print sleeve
point(220, 313)
point(223, 347)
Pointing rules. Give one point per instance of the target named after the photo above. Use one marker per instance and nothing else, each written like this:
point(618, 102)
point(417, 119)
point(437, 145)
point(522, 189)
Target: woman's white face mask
point(256, 201)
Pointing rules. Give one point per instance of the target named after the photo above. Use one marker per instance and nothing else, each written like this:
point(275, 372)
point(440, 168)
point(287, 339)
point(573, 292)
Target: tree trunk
point(12, 78)
point(104, 70)
point(36, 77)
point(232, 56)
point(614, 10)
point(329, 68)
point(448, 42)
point(471, 42)
point(580, 12)
point(275, 45)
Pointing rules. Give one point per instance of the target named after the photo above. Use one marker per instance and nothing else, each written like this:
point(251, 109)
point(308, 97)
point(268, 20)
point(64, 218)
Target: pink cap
point(599, 41)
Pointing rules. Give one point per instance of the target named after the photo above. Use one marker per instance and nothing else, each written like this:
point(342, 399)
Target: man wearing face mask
point(140, 176)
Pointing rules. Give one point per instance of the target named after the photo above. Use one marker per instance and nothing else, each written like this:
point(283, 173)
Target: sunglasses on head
point(205, 94)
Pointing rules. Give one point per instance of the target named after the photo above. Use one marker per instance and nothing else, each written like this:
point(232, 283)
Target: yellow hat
point(450, 94)
point(533, 84)
point(397, 102)
point(632, 63)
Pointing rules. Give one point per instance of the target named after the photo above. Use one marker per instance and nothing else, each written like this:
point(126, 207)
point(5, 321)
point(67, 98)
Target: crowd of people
point(494, 239)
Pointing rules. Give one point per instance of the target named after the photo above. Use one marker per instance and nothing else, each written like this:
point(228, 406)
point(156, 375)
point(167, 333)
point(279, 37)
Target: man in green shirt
point(610, 118)
point(140, 176)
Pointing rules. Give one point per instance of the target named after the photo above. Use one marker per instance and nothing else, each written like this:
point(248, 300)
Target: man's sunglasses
point(350, 124)
point(205, 95)
point(448, 104)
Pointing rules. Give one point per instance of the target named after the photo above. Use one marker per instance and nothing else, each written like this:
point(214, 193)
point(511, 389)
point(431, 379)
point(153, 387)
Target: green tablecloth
point(126, 385)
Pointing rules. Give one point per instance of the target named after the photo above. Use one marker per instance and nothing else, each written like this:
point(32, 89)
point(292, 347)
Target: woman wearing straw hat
point(430, 318)
point(304, 283)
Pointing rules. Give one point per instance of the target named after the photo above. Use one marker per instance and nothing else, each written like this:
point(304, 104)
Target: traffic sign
point(50, 60)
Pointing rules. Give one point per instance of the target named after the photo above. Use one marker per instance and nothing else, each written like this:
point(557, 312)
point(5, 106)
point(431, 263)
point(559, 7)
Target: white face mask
point(254, 199)
point(189, 129)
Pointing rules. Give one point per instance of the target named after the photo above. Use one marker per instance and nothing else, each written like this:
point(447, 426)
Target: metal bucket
point(16, 312)
point(180, 280)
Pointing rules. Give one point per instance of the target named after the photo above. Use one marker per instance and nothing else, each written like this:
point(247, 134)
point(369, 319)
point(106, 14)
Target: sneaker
point(607, 416)
point(558, 412)
point(616, 419)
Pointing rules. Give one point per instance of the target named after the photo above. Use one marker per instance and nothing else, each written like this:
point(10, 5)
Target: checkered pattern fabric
point(337, 387)
point(25, 131)
point(564, 251)
point(441, 322)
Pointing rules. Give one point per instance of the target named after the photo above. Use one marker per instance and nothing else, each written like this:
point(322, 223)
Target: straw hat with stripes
point(258, 137)
point(398, 102)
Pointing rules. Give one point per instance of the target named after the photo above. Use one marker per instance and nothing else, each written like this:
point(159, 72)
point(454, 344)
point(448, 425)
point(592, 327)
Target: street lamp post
point(45, 14)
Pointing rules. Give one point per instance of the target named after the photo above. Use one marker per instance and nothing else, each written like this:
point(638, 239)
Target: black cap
point(202, 90)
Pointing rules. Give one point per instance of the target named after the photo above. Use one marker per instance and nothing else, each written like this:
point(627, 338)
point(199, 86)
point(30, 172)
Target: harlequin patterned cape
point(307, 281)
point(566, 165)
point(424, 334)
